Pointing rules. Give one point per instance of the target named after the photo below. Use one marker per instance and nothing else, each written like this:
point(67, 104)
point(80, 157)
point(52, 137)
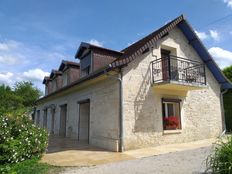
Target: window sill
point(166, 132)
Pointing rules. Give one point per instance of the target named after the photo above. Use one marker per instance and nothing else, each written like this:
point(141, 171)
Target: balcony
point(177, 73)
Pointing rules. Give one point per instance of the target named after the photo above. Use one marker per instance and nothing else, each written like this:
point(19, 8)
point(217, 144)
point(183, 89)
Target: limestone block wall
point(200, 109)
point(104, 112)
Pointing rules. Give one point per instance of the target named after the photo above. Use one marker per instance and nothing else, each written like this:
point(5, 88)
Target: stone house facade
point(163, 89)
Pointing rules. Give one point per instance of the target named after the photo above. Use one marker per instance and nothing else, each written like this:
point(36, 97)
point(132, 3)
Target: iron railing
point(178, 69)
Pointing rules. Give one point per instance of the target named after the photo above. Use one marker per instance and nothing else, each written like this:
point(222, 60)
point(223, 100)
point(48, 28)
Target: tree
point(19, 99)
point(227, 99)
point(9, 102)
point(27, 92)
point(228, 72)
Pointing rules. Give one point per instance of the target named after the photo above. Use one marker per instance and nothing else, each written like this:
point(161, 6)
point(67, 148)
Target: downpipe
point(121, 126)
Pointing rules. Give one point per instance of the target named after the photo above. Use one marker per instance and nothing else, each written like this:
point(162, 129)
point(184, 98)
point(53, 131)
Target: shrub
point(220, 161)
point(20, 139)
point(28, 167)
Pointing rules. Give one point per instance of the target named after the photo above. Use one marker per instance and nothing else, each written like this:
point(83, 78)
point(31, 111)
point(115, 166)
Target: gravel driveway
point(190, 161)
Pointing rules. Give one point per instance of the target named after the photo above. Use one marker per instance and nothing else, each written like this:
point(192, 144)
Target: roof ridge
point(138, 47)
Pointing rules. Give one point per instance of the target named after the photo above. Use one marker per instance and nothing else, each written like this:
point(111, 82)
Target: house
point(163, 89)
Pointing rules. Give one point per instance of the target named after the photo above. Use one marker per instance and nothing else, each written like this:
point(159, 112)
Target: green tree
point(9, 102)
point(27, 92)
point(227, 99)
point(228, 72)
point(18, 100)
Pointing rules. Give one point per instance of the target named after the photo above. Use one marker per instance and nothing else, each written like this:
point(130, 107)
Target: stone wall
point(104, 113)
point(200, 109)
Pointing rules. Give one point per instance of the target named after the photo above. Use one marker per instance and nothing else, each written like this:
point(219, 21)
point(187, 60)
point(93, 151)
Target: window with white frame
point(171, 114)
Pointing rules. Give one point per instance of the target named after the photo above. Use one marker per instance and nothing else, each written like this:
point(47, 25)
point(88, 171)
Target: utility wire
point(216, 21)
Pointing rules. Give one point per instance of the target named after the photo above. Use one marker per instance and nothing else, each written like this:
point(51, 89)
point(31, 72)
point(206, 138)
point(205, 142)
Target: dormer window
point(46, 89)
point(65, 78)
point(47, 83)
point(54, 85)
point(85, 71)
point(86, 64)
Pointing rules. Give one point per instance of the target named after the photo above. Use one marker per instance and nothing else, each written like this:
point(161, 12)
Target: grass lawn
point(32, 166)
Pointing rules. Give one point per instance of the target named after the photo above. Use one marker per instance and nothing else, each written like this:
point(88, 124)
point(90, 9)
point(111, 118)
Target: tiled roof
point(55, 72)
point(85, 45)
point(68, 63)
point(136, 49)
point(128, 54)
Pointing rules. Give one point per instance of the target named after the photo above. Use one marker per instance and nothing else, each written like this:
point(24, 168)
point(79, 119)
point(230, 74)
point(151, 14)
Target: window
point(54, 85)
point(46, 89)
point(171, 114)
point(85, 71)
point(86, 62)
point(65, 78)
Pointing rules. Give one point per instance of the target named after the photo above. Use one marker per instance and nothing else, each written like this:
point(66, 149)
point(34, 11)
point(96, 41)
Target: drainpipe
point(223, 113)
point(121, 126)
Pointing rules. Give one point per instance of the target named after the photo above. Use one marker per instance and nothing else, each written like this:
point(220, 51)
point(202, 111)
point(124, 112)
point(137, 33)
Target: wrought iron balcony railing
point(178, 69)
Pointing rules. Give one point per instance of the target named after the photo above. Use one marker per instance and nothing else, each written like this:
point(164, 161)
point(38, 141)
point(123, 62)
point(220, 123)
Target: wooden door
point(84, 118)
point(63, 118)
point(165, 56)
point(53, 121)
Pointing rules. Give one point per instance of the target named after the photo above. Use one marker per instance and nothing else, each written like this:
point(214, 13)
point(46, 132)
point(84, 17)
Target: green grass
point(220, 161)
point(32, 166)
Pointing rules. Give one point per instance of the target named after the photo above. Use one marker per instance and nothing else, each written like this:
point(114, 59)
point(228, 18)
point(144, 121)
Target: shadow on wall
point(144, 106)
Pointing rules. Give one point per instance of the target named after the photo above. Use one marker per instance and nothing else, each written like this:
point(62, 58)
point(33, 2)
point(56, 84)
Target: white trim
point(177, 131)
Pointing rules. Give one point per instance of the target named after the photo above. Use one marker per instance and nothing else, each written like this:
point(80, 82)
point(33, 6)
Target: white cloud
point(214, 34)
point(21, 61)
point(10, 53)
point(9, 45)
point(4, 46)
point(5, 78)
point(228, 2)
point(202, 35)
point(96, 42)
point(8, 60)
point(221, 56)
point(34, 74)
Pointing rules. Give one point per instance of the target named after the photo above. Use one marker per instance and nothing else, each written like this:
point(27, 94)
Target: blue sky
point(36, 35)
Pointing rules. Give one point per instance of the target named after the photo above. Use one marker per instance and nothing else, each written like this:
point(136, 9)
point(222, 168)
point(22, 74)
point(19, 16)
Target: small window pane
point(170, 109)
point(171, 115)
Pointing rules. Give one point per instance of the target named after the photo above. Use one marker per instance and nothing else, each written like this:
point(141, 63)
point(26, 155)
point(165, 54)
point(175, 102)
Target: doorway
point(165, 56)
point(53, 120)
point(63, 120)
point(84, 120)
point(45, 119)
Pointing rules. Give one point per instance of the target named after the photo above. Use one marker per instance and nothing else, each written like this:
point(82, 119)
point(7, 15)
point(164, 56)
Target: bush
point(28, 167)
point(221, 159)
point(20, 139)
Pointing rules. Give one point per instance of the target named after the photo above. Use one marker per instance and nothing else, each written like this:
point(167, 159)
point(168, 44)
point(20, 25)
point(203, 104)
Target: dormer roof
point(55, 73)
point(65, 63)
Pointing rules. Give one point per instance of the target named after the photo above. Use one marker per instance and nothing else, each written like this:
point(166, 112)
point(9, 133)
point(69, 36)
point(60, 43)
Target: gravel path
point(191, 161)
